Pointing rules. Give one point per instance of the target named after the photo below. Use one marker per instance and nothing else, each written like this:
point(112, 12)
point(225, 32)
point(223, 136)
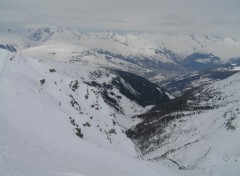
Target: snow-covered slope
point(53, 122)
point(198, 131)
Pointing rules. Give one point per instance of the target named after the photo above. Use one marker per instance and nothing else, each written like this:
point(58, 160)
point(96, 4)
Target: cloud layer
point(192, 16)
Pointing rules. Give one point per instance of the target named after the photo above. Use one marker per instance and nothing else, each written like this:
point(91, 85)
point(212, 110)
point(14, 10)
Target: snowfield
point(49, 125)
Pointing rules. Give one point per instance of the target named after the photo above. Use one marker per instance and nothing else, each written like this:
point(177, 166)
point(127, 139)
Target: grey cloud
point(168, 24)
point(221, 22)
point(225, 22)
point(113, 20)
point(175, 20)
point(205, 16)
point(172, 17)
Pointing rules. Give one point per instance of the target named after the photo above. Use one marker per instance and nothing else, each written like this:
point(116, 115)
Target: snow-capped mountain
point(152, 55)
point(196, 132)
point(70, 119)
point(76, 103)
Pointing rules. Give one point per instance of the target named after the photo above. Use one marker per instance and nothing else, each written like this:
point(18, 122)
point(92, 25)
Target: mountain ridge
point(157, 55)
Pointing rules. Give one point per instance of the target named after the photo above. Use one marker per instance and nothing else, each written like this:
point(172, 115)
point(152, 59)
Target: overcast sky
point(220, 17)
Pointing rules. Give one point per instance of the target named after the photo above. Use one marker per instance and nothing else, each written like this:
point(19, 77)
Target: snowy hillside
point(196, 132)
point(54, 122)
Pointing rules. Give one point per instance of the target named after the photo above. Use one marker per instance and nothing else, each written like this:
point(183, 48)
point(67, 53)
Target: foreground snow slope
point(198, 131)
point(48, 127)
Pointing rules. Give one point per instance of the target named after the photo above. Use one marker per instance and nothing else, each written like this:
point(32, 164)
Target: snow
point(207, 141)
point(126, 44)
point(152, 55)
point(236, 68)
point(3, 55)
point(38, 138)
point(171, 97)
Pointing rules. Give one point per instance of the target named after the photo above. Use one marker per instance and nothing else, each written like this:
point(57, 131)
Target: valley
point(106, 103)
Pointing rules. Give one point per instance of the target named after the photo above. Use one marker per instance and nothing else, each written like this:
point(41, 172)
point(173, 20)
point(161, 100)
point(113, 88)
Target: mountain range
point(107, 103)
point(152, 55)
